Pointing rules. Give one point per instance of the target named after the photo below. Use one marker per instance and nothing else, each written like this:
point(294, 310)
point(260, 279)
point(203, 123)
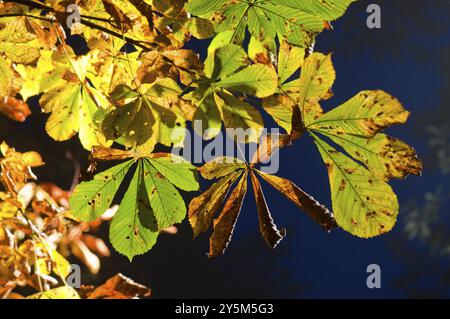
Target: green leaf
point(144, 119)
point(363, 204)
point(64, 103)
point(363, 115)
point(91, 117)
point(74, 109)
point(133, 230)
point(215, 104)
point(207, 114)
point(281, 108)
point(328, 10)
point(355, 125)
point(238, 114)
point(297, 21)
point(166, 202)
point(132, 122)
point(177, 170)
point(91, 199)
point(151, 204)
point(317, 77)
point(225, 61)
point(258, 79)
point(226, 37)
point(290, 59)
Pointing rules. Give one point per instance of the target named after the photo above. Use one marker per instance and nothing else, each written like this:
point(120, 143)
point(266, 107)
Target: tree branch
point(37, 5)
point(143, 45)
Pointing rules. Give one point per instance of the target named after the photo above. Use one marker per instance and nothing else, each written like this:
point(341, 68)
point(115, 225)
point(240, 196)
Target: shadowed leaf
point(317, 212)
point(224, 224)
point(267, 227)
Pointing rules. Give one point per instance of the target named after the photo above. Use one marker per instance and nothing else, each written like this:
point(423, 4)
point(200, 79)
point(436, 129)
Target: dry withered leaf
point(101, 153)
point(15, 109)
point(117, 287)
point(270, 144)
point(224, 224)
point(317, 212)
point(267, 226)
point(203, 207)
point(16, 167)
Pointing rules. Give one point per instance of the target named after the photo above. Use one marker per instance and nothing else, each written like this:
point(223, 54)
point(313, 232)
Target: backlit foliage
point(137, 82)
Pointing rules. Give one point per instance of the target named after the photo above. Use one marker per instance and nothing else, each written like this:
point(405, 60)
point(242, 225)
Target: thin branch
point(38, 5)
point(147, 46)
point(7, 15)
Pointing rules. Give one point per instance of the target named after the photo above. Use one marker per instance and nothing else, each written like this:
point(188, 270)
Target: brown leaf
point(317, 212)
point(13, 108)
point(122, 21)
point(203, 207)
point(145, 9)
point(119, 287)
point(298, 127)
point(59, 195)
point(96, 245)
point(267, 227)
point(101, 153)
point(16, 167)
point(224, 224)
point(220, 167)
point(270, 144)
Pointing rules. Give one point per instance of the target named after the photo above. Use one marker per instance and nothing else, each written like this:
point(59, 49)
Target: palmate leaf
point(282, 104)
point(228, 72)
point(363, 203)
point(142, 120)
point(111, 66)
point(151, 203)
point(133, 230)
point(230, 171)
point(91, 199)
point(316, 78)
point(19, 41)
point(297, 21)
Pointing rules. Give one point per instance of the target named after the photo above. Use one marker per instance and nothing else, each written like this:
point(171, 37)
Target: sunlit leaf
point(363, 204)
point(91, 199)
point(297, 21)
